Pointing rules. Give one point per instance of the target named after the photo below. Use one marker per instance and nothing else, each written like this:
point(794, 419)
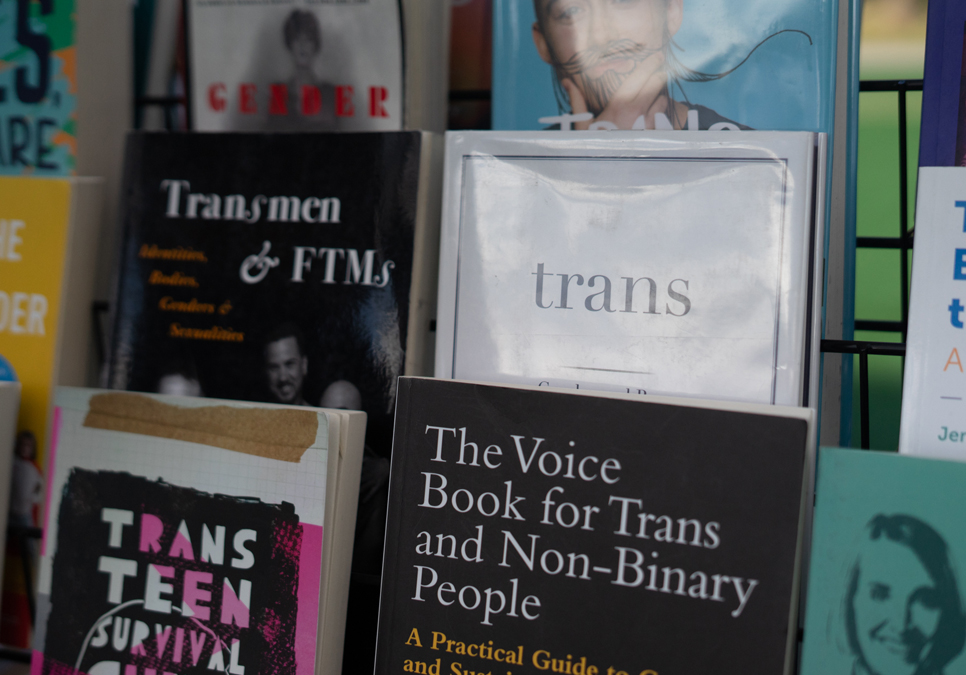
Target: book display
point(543, 393)
point(183, 532)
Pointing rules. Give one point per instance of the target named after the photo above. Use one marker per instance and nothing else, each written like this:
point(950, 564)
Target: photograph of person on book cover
point(311, 102)
point(179, 377)
point(27, 484)
point(616, 64)
point(903, 610)
point(286, 364)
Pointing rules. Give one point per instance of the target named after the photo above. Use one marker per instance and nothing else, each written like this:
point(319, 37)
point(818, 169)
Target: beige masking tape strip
point(274, 433)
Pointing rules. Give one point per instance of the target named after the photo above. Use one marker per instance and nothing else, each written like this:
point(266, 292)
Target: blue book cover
point(885, 587)
point(761, 65)
point(943, 133)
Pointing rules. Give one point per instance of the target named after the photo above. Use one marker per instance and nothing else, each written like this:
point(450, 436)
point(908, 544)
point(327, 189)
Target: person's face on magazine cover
point(285, 368)
point(608, 53)
point(304, 50)
point(896, 609)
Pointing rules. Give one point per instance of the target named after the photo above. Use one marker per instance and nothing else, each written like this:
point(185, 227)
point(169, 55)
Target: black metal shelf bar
point(164, 101)
point(903, 243)
point(879, 325)
point(885, 242)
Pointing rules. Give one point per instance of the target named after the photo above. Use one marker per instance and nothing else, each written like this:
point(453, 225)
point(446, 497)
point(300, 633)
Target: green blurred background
point(893, 41)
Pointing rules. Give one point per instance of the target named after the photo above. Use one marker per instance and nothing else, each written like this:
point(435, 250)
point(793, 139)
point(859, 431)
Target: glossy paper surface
point(259, 65)
point(763, 64)
point(642, 264)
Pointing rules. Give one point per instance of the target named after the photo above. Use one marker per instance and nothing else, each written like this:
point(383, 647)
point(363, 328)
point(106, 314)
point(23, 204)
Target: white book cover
point(934, 383)
point(296, 65)
point(185, 534)
point(672, 263)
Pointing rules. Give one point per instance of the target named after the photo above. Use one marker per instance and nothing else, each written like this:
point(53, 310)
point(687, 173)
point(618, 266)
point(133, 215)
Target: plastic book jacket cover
point(319, 65)
point(183, 536)
point(942, 140)
point(700, 64)
point(885, 586)
point(268, 267)
point(668, 263)
point(38, 88)
point(533, 531)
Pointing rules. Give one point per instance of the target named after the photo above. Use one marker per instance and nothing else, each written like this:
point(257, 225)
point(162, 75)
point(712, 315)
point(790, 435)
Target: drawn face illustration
point(598, 44)
point(897, 608)
point(285, 368)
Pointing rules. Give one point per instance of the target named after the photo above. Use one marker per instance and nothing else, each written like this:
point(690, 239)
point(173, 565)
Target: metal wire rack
point(903, 243)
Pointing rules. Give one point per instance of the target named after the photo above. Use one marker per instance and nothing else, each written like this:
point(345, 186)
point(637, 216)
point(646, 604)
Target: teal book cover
point(885, 587)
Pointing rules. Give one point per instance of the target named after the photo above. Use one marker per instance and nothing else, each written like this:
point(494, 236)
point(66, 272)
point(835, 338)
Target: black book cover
point(268, 267)
point(535, 531)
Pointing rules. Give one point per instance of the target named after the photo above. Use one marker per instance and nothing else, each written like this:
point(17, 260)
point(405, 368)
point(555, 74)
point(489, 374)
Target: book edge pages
point(78, 281)
point(384, 619)
point(425, 26)
point(768, 409)
point(9, 408)
point(912, 372)
point(351, 440)
point(830, 378)
point(815, 376)
point(420, 344)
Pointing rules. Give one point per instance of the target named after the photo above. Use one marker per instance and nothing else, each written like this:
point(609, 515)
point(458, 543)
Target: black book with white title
point(547, 530)
point(285, 268)
point(280, 268)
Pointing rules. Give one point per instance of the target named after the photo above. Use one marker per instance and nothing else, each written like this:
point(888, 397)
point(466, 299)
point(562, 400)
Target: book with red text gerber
point(187, 535)
point(318, 65)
